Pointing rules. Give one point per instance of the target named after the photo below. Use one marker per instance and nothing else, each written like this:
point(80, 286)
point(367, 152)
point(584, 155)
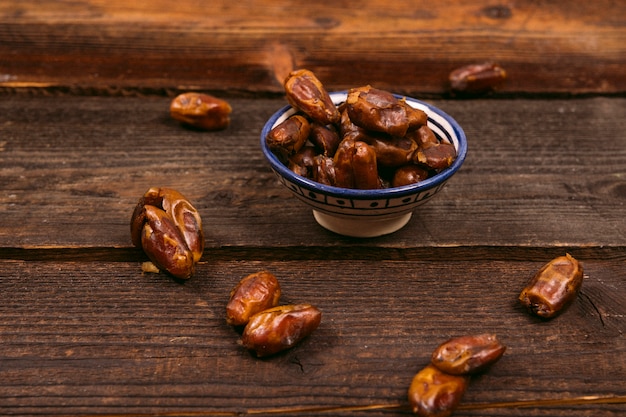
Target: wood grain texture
point(101, 338)
point(85, 87)
point(538, 174)
point(84, 332)
point(563, 47)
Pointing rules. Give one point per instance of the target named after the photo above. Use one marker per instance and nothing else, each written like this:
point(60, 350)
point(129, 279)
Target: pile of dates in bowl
point(362, 159)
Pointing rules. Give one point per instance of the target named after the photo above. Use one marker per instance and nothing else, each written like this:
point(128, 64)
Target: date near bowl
point(371, 212)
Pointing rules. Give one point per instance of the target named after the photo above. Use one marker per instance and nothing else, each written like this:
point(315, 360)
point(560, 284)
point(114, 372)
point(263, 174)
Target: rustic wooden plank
point(539, 174)
point(86, 338)
point(410, 46)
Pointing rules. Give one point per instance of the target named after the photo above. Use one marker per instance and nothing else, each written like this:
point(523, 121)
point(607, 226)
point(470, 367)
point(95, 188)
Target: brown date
point(324, 170)
point(434, 393)
point(302, 162)
point(380, 111)
point(392, 151)
point(324, 138)
point(365, 167)
point(477, 78)
point(289, 136)
point(253, 294)
point(201, 111)
point(280, 328)
point(553, 287)
point(305, 92)
point(169, 230)
point(355, 165)
point(437, 156)
point(466, 355)
point(342, 161)
point(424, 137)
point(409, 174)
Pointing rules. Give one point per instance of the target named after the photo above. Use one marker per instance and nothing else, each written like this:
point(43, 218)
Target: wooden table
point(85, 88)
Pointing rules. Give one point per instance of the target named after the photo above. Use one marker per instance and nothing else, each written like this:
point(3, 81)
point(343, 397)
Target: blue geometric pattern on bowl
point(380, 203)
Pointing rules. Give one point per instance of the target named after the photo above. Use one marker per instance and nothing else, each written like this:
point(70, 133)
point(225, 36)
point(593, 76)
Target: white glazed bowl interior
point(368, 213)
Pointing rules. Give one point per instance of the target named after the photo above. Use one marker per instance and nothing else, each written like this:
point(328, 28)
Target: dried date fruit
point(169, 230)
point(324, 170)
point(369, 119)
point(553, 287)
point(409, 174)
point(202, 111)
point(380, 111)
point(289, 136)
point(342, 161)
point(253, 294)
point(306, 93)
point(355, 165)
point(364, 167)
point(392, 151)
point(437, 157)
point(324, 138)
point(477, 78)
point(280, 328)
point(434, 393)
point(302, 162)
point(424, 137)
point(467, 355)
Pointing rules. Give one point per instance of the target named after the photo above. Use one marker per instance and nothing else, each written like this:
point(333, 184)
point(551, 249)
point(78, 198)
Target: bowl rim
point(393, 192)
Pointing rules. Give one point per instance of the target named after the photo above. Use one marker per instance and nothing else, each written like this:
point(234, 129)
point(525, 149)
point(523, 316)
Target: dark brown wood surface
point(565, 47)
point(85, 88)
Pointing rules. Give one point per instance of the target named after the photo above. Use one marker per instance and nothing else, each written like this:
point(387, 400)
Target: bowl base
point(365, 227)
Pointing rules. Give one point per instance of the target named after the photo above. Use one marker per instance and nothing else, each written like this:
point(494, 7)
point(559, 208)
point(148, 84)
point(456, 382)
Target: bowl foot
point(365, 227)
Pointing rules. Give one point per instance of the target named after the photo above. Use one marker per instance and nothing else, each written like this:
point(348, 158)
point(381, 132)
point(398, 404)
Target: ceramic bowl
point(368, 213)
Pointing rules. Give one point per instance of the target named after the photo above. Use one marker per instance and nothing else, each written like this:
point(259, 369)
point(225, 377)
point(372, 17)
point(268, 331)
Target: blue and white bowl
point(368, 213)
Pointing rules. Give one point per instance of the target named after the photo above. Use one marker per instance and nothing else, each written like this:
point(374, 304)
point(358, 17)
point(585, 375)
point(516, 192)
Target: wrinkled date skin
point(477, 78)
point(468, 355)
point(288, 137)
point(307, 94)
point(201, 111)
point(280, 328)
point(433, 393)
point(169, 230)
point(253, 294)
point(380, 111)
point(553, 287)
point(373, 134)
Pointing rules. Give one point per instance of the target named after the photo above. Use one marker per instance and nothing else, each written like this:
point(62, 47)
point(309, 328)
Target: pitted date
point(553, 287)
point(169, 230)
point(253, 294)
point(202, 111)
point(280, 328)
point(477, 78)
point(307, 94)
point(434, 393)
point(466, 355)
